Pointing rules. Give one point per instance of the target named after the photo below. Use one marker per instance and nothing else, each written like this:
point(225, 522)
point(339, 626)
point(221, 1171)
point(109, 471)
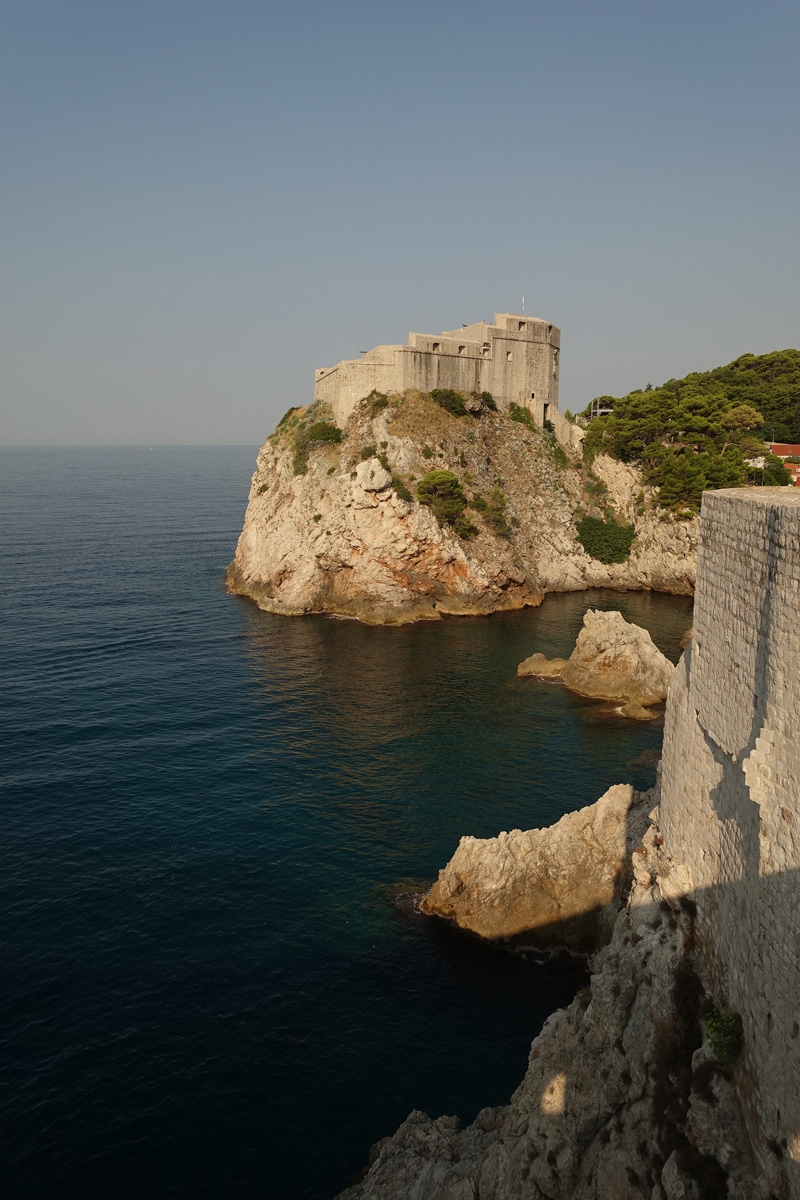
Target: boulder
point(561, 885)
point(612, 660)
point(372, 476)
point(537, 664)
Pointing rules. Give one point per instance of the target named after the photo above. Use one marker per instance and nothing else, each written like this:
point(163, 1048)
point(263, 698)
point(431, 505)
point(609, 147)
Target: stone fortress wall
point(516, 359)
point(730, 798)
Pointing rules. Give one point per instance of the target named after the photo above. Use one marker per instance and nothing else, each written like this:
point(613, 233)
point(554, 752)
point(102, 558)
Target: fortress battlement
point(516, 358)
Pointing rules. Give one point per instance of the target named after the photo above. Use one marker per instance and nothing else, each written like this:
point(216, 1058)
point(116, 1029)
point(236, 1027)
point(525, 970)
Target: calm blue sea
point(207, 814)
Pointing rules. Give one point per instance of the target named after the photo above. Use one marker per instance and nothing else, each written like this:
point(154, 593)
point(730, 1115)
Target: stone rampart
point(730, 808)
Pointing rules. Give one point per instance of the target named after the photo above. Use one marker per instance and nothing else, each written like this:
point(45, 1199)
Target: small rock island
point(612, 660)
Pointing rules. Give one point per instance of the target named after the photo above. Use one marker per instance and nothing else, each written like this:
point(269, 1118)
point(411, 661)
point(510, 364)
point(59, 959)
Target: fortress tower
point(515, 358)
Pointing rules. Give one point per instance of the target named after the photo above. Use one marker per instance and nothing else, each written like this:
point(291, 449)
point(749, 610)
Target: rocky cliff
point(558, 886)
point(675, 1075)
point(335, 526)
point(624, 1097)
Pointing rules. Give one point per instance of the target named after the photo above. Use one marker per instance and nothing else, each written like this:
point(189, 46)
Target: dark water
point(207, 812)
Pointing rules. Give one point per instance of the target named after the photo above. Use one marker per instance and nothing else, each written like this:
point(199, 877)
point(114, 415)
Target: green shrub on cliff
point(523, 415)
point(496, 511)
point(306, 440)
point(401, 488)
point(450, 400)
point(441, 491)
point(607, 541)
point(726, 1036)
point(378, 400)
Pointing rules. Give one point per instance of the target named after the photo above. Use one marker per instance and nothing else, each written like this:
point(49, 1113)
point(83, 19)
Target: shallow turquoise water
point(208, 812)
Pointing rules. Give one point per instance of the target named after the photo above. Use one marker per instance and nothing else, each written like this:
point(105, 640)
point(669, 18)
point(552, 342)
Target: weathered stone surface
point(547, 668)
point(730, 809)
point(616, 660)
point(559, 885)
point(338, 538)
point(612, 660)
point(622, 1098)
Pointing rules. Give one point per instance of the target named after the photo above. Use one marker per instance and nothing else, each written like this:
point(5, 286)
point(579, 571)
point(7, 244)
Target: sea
point(212, 986)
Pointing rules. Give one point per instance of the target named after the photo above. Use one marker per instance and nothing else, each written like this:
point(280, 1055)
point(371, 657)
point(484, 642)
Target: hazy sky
point(205, 200)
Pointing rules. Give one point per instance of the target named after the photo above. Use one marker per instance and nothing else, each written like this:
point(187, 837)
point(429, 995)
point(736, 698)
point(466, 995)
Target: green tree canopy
point(696, 433)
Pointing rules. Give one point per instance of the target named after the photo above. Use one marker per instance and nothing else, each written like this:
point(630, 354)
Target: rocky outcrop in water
point(338, 528)
point(623, 1098)
point(612, 660)
point(558, 886)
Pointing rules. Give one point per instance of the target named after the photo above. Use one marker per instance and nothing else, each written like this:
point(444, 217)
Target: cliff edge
point(334, 522)
point(676, 1074)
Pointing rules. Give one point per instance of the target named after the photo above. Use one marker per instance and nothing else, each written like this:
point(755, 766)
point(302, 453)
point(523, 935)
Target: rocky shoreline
point(624, 1095)
point(674, 1074)
point(341, 531)
point(612, 660)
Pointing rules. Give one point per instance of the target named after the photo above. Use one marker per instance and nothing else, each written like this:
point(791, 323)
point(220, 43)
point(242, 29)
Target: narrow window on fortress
point(508, 355)
point(486, 351)
point(533, 395)
point(437, 345)
point(522, 324)
point(461, 349)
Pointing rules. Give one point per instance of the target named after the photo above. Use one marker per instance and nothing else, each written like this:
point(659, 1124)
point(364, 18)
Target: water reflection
point(422, 733)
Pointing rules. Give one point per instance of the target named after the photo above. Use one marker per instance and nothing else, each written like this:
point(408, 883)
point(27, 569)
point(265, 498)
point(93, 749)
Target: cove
point(209, 813)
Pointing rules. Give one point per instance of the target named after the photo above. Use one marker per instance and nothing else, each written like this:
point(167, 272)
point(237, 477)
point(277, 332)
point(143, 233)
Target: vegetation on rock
point(453, 402)
point(726, 1036)
point(306, 439)
point(286, 416)
point(608, 541)
point(441, 492)
point(401, 488)
point(523, 415)
point(496, 511)
point(377, 400)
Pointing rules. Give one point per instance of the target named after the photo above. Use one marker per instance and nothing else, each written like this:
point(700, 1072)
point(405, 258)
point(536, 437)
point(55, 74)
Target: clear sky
point(205, 200)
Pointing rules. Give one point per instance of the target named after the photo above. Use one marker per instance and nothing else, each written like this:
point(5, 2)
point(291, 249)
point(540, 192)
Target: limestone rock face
point(546, 668)
point(622, 1099)
point(338, 538)
point(559, 885)
point(612, 660)
point(616, 660)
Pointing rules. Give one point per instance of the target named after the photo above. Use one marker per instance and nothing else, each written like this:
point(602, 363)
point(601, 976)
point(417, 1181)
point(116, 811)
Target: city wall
point(730, 807)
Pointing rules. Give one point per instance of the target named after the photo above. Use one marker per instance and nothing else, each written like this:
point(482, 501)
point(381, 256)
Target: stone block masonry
point(516, 359)
point(730, 806)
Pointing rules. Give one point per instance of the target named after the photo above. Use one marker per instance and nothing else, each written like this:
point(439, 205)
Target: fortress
point(515, 358)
